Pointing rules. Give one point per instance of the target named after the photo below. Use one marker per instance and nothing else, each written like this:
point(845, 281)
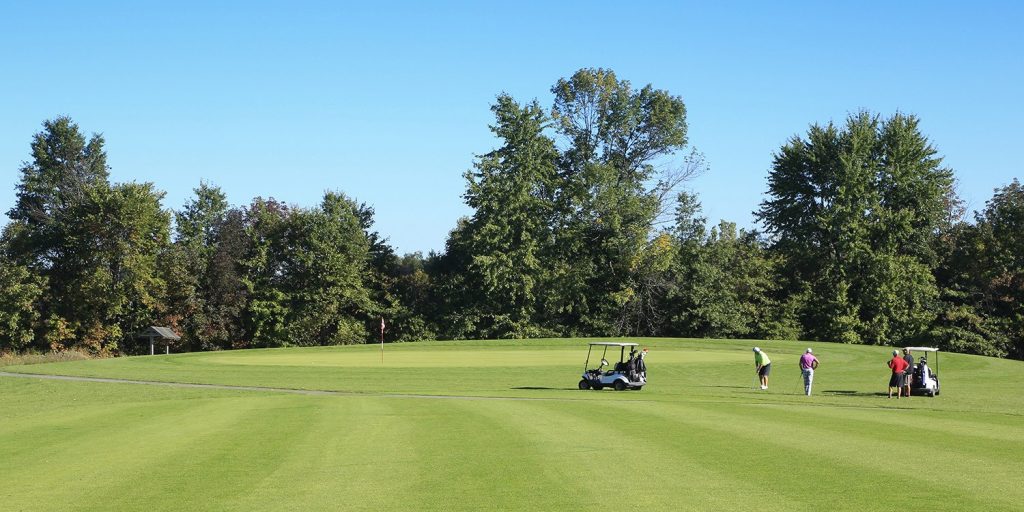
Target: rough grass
point(513, 433)
point(12, 359)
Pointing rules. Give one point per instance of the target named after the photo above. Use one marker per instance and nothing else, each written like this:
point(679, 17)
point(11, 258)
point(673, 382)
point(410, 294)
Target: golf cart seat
point(921, 371)
point(925, 379)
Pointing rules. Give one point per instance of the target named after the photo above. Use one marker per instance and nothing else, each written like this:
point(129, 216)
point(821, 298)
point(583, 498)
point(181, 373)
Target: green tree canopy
point(853, 210)
point(511, 190)
point(93, 244)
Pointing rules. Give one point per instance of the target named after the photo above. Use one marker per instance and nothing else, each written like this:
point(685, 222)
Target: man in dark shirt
point(908, 374)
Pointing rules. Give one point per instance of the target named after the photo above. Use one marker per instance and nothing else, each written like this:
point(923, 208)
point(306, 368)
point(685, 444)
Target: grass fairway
point(500, 426)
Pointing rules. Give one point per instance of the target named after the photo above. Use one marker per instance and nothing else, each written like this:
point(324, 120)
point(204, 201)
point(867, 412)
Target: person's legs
point(808, 380)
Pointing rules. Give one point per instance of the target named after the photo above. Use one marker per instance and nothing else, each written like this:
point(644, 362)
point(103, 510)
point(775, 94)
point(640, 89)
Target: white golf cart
point(925, 378)
point(629, 373)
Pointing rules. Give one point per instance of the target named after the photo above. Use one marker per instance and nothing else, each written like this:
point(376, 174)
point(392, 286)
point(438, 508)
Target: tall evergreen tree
point(94, 245)
point(65, 169)
point(853, 210)
point(511, 191)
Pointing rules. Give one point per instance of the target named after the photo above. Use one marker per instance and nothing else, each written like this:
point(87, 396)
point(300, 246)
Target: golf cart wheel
point(620, 386)
point(584, 384)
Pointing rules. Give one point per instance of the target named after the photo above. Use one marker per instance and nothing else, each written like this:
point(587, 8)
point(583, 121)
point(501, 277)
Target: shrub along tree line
point(579, 228)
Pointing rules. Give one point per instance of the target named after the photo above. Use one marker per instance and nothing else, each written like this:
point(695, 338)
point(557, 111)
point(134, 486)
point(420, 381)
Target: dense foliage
point(579, 228)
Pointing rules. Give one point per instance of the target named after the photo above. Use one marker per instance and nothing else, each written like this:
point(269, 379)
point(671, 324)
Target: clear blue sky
point(388, 101)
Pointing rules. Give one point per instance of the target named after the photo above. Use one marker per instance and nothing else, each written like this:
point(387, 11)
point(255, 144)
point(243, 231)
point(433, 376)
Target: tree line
point(581, 226)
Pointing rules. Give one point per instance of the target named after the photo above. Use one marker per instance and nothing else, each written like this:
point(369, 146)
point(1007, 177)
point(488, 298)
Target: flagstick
point(382, 341)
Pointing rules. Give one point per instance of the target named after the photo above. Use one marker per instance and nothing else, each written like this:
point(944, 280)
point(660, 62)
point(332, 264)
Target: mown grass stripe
point(867, 459)
point(696, 438)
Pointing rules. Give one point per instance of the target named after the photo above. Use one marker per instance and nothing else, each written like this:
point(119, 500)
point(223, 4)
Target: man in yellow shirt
point(763, 366)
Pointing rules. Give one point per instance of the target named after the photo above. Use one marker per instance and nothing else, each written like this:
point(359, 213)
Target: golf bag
point(922, 373)
point(636, 370)
point(630, 367)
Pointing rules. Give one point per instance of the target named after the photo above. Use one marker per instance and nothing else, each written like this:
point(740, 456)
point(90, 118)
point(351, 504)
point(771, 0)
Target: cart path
point(294, 391)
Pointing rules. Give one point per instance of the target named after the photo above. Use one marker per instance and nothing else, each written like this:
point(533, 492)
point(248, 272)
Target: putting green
point(526, 357)
point(500, 426)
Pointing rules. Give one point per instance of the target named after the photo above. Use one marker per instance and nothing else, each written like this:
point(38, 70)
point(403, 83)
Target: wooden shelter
point(164, 334)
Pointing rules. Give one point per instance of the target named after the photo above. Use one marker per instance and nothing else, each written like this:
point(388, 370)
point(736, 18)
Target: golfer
point(898, 365)
point(808, 363)
point(908, 374)
point(763, 366)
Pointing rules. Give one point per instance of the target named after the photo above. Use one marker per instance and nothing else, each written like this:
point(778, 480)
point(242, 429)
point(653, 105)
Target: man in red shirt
point(898, 366)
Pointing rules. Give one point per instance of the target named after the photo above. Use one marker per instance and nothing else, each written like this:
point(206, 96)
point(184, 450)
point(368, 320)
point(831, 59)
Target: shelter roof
point(159, 332)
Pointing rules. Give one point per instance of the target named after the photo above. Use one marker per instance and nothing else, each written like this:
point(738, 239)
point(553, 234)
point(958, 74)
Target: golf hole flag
point(381, 340)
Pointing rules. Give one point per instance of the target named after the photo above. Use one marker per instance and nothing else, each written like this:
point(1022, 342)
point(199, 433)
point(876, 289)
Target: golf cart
point(925, 379)
point(629, 373)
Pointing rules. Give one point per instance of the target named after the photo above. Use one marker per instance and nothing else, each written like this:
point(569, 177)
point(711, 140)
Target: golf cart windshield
point(930, 350)
point(604, 346)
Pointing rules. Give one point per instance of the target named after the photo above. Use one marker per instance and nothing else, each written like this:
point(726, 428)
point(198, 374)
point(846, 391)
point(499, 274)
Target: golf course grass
point(500, 425)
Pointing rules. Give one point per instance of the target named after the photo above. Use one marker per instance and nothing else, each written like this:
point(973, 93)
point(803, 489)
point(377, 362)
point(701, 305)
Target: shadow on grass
point(535, 388)
point(843, 392)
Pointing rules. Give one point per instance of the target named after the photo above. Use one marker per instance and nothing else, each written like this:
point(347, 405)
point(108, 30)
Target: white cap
point(809, 350)
point(757, 349)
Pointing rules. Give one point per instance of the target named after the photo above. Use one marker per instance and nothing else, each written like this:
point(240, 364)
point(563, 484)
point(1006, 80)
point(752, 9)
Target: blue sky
point(389, 101)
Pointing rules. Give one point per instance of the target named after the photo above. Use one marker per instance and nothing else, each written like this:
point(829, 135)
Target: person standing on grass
point(808, 363)
point(763, 366)
point(908, 374)
point(898, 365)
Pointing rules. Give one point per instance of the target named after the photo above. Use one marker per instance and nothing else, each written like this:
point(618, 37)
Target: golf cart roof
point(923, 349)
point(614, 344)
